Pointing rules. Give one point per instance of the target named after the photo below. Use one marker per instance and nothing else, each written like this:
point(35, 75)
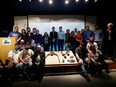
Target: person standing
point(46, 41)
point(53, 38)
point(98, 36)
point(61, 39)
point(15, 33)
point(109, 40)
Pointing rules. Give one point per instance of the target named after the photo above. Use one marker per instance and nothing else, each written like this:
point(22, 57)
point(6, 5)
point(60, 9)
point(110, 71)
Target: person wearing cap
point(81, 54)
point(39, 62)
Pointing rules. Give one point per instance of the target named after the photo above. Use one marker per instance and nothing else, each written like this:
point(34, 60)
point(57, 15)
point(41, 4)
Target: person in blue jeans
point(25, 58)
point(81, 55)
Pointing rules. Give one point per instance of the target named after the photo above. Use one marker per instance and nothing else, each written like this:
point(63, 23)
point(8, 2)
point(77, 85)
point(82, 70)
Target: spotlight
point(95, 1)
point(20, 0)
point(86, 0)
point(50, 1)
point(40, 0)
point(66, 1)
point(29, 0)
point(77, 0)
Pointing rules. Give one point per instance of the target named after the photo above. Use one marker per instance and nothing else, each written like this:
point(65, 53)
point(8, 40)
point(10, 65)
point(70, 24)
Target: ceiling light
point(40, 0)
point(66, 1)
point(50, 1)
point(95, 0)
point(20, 0)
point(86, 0)
point(77, 0)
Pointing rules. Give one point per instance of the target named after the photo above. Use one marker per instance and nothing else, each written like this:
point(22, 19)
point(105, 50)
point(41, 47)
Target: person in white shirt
point(39, 62)
point(14, 60)
point(96, 61)
point(91, 41)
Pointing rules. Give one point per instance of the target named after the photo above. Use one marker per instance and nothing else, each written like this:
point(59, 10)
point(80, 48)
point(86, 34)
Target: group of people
point(26, 61)
point(60, 40)
point(89, 46)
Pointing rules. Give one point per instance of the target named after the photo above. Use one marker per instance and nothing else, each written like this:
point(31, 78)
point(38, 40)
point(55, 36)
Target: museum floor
point(72, 80)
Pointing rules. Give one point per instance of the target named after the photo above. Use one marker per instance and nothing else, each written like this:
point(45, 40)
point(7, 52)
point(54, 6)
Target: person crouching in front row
point(96, 61)
point(39, 62)
point(25, 59)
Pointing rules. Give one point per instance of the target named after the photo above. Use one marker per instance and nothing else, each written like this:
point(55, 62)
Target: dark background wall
point(103, 9)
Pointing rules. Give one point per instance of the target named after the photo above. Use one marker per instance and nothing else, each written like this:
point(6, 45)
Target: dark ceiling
point(58, 7)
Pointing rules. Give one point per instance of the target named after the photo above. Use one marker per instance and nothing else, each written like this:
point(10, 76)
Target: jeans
point(25, 69)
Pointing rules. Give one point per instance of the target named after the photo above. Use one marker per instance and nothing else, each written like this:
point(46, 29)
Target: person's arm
point(18, 39)
point(89, 58)
point(10, 64)
point(80, 61)
point(88, 47)
point(100, 53)
point(21, 60)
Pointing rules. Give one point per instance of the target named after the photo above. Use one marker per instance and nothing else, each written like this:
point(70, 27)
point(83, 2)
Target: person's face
point(16, 47)
point(53, 29)
point(75, 29)
point(93, 48)
point(96, 27)
point(109, 27)
point(72, 33)
point(91, 39)
point(23, 31)
point(78, 32)
point(37, 32)
point(45, 34)
point(28, 29)
point(34, 30)
point(26, 47)
point(22, 41)
point(60, 29)
point(33, 41)
point(87, 28)
point(81, 46)
point(16, 29)
point(67, 31)
point(38, 48)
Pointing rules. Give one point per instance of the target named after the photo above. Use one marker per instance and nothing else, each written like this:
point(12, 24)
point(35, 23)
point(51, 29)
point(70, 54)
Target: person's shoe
point(114, 60)
point(88, 79)
point(107, 71)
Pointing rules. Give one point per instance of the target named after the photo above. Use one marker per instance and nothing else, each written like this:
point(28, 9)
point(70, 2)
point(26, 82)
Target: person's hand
point(80, 61)
point(87, 41)
point(89, 62)
point(25, 63)
point(10, 64)
point(97, 63)
point(16, 63)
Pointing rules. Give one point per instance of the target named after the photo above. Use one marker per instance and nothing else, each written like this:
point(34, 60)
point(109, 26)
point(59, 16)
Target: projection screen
point(45, 22)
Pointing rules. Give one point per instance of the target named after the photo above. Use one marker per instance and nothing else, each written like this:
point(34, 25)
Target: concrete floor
point(73, 80)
